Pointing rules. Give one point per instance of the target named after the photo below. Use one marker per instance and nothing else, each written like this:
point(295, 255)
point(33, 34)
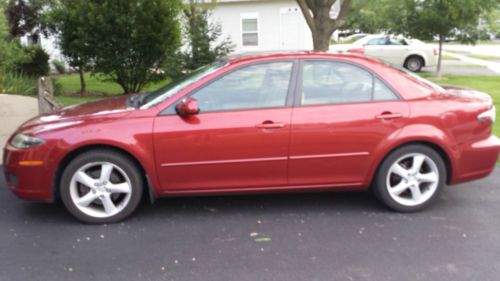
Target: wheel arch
point(89, 147)
point(433, 145)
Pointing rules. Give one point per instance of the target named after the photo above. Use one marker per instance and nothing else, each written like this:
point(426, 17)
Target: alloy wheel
point(100, 189)
point(412, 179)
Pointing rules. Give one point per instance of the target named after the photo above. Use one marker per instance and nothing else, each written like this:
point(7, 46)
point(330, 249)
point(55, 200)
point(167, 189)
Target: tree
point(202, 36)
point(11, 52)
point(127, 41)
point(28, 17)
point(319, 20)
point(368, 16)
point(426, 19)
point(73, 39)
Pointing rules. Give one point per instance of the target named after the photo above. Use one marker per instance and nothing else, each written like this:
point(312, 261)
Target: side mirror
point(186, 107)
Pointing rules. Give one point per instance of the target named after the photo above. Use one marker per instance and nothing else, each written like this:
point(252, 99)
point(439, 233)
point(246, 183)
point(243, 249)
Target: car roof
point(248, 56)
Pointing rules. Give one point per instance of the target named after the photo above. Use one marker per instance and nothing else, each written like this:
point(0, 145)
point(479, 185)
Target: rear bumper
point(32, 182)
point(477, 160)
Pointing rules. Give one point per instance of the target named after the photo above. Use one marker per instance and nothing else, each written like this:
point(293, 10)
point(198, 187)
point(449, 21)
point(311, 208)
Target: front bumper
point(30, 182)
point(477, 160)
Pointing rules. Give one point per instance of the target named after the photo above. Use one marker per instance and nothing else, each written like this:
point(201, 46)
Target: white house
point(252, 25)
point(255, 25)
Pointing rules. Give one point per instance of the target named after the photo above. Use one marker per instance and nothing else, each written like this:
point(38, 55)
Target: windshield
point(172, 88)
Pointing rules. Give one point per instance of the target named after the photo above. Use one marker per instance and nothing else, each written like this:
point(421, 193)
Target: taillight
point(357, 51)
point(488, 117)
point(435, 52)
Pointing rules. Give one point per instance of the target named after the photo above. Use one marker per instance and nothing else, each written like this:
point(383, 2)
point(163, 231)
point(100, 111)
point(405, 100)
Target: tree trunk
point(321, 41)
point(317, 16)
point(440, 57)
point(83, 87)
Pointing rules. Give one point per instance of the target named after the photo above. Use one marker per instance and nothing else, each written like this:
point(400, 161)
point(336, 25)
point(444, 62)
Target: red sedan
point(254, 124)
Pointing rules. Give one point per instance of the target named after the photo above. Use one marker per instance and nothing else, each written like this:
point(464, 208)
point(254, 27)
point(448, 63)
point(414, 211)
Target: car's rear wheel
point(414, 64)
point(101, 186)
point(410, 178)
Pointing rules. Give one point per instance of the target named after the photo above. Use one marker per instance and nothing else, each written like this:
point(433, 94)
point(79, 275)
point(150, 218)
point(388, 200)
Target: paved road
point(321, 236)
point(14, 110)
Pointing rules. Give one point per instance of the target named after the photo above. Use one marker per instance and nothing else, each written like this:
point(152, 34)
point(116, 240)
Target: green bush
point(15, 83)
point(37, 65)
point(59, 66)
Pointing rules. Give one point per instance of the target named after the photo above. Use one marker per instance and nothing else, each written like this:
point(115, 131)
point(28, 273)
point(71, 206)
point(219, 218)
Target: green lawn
point(484, 57)
point(96, 88)
point(446, 57)
point(70, 84)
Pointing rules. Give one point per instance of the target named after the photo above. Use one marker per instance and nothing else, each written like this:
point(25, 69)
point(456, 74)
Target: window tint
point(255, 86)
point(377, 41)
point(335, 82)
point(381, 92)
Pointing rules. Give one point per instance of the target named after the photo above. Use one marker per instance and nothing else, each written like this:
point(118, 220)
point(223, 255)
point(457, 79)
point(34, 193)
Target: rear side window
point(327, 82)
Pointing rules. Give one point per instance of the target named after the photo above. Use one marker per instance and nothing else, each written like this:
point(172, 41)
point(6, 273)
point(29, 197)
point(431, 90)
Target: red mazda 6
point(258, 123)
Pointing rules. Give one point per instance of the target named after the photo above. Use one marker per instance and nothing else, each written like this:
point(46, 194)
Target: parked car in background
point(409, 53)
point(353, 37)
point(281, 122)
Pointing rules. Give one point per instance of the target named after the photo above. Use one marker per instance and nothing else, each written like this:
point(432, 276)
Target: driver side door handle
point(389, 115)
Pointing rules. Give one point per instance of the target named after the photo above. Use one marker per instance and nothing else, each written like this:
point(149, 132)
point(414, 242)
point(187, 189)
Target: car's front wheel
point(101, 186)
point(410, 178)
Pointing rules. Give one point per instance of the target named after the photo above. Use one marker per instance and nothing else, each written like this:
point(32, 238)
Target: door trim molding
point(316, 156)
point(247, 160)
point(268, 159)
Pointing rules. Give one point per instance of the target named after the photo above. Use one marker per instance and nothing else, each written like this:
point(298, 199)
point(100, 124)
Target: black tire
point(414, 63)
point(122, 161)
point(380, 186)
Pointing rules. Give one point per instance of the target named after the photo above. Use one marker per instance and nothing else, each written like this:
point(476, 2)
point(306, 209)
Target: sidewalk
point(491, 65)
point(14, 110)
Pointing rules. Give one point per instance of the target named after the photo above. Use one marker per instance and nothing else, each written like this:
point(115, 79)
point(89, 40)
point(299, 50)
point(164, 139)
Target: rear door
point(375, 47)
point(343, 115)
point(238, 140)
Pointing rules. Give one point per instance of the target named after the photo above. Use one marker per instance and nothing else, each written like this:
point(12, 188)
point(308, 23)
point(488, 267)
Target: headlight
point(24, 141)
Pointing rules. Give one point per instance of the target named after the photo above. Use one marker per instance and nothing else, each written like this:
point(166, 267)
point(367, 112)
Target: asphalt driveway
point(320, 236)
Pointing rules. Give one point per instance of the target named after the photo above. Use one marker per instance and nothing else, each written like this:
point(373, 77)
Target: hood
point(102, 109)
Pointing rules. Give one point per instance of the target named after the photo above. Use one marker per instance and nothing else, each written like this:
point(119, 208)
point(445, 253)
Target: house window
point(250, 30)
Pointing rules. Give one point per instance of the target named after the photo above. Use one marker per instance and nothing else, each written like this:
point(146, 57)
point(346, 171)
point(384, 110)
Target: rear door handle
point(270, 125)
point(389, 115)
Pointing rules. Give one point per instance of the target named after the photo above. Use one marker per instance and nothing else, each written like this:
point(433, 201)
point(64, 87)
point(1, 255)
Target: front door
point(238, 140)
point(345, 114)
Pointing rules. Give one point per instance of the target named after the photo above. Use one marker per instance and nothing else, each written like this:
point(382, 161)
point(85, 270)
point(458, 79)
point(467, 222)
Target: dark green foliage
point(37, 65)
point(126, 40)
point(202, 37)
point(28, 17)
point(369, 16)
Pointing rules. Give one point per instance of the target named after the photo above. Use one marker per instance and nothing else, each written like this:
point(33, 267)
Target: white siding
point(229, 15)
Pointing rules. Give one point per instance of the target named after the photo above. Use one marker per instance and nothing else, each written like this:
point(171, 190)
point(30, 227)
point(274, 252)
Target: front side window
point(250, 30)
point(327, 82)
point(252, 87)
